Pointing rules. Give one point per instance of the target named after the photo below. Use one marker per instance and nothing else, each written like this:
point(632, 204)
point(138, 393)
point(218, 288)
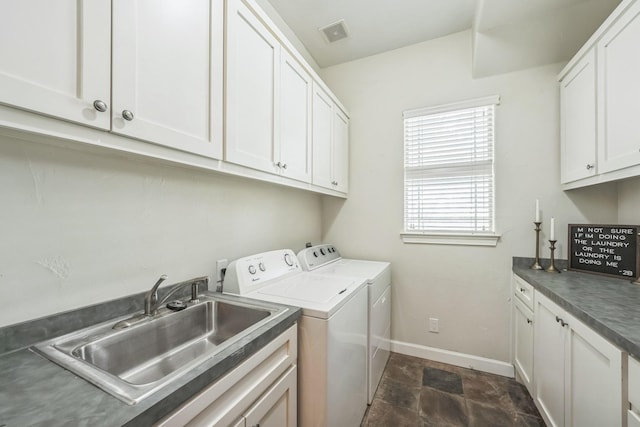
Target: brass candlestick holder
point(552, 266)
point(536, 264)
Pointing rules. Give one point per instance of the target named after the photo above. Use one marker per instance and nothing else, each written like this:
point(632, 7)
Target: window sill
point(451, 239)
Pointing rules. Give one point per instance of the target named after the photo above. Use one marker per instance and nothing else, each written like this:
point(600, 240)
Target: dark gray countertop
point(36, 392)
point(609, 306)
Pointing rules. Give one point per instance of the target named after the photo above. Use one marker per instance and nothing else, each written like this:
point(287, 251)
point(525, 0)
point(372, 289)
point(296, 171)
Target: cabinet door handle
point(522, 290)
point(561, 321)
point(100, 105)
point(284, 166)
point(529, 321)
point(589, 167)
point(127, 115)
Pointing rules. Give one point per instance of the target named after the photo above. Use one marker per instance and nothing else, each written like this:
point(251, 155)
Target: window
point(448, 173)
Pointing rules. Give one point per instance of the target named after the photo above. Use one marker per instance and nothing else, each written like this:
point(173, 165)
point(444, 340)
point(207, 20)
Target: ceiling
point(508, 34)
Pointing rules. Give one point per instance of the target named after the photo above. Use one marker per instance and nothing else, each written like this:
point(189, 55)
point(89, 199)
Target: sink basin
point(133, 363)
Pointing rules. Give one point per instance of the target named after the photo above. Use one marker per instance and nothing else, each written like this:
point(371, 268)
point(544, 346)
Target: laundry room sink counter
point(36, 391)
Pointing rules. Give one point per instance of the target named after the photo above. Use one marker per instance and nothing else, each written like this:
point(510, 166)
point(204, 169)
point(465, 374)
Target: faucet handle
point(151, 298)
point(155, 287)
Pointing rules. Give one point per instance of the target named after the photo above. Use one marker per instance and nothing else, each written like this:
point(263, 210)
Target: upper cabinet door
point(167, 81)
point(294, 149)
point(619, 93)
point(253, 63)
point(322, 134)
point(55, 58)
point(340, 150)
point(578, 120)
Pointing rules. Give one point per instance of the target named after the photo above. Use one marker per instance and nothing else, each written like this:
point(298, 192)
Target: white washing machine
point(332, 352)
point(325, 259)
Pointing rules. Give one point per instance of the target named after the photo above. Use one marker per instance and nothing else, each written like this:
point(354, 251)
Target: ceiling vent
point(334, 32)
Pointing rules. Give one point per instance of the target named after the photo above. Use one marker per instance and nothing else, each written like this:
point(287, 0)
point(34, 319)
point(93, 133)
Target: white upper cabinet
point(578, 120)
point(169, 79)
point(55, 58)
point(166, 72)
point(293, 153)
point(600, 97)
point(340, 157)
point(268, 102)
point(619, 93)
point(322, 135)
point(330, 142)
point(253, 66)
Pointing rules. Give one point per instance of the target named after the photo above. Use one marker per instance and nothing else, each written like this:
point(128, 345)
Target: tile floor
point(417, 392)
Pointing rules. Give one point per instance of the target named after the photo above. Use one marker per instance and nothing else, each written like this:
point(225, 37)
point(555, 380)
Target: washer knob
point(315, 254)
point(322, 251)
point(252, 269)
point(262, 267)
point(288, 260)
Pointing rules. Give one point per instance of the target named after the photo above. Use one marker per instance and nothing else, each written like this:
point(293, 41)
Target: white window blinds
point(448, 165)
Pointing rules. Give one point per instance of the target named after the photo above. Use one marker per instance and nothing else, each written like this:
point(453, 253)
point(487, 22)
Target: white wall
point(467, 288)
point(629, 201)
point(80, 228)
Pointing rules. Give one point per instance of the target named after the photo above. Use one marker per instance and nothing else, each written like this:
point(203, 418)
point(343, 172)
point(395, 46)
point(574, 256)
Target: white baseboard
point(454, 358)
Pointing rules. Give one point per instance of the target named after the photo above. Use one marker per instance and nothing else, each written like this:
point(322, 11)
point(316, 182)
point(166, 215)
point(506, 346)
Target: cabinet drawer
point(634, 383)
point(523, 291)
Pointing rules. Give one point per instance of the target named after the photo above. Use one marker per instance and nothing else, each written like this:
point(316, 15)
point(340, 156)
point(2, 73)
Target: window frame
point(470, 238)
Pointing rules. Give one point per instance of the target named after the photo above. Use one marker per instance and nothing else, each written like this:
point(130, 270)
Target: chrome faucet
point(195, 283)
point(151, 298)
point(151, 303)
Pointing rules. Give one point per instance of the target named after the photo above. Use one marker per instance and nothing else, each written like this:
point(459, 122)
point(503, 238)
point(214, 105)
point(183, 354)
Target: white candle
point(537, 210)
point(552, 235)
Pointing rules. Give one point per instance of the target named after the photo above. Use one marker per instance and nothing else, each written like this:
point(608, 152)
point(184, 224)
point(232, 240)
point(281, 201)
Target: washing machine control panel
point(317, 256)
point(247, 274)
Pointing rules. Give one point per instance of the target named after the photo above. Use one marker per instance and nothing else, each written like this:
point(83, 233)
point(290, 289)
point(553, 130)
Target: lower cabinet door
point(549, 361)
point(593, 379)
point(278, 406)
point(523, 342)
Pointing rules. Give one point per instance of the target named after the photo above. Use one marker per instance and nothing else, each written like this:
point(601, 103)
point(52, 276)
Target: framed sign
point(610, 250)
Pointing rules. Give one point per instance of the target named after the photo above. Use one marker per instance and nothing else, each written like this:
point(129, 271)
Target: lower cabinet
point(523, 342)
point(262, 391)
point(578, 374)
point(633, 412)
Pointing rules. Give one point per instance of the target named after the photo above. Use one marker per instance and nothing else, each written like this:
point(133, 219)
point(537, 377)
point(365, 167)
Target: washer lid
point(355, 267)
point(318, 295)
point(311, 288)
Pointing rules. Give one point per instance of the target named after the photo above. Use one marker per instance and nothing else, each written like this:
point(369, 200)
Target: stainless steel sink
point(133, 363)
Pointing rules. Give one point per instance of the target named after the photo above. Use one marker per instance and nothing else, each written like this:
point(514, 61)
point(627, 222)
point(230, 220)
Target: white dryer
point(332, 353)
point(325, 259)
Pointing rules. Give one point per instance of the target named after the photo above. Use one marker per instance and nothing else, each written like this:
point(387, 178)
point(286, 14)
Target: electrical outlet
point(220, 265)
point(433, 325)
